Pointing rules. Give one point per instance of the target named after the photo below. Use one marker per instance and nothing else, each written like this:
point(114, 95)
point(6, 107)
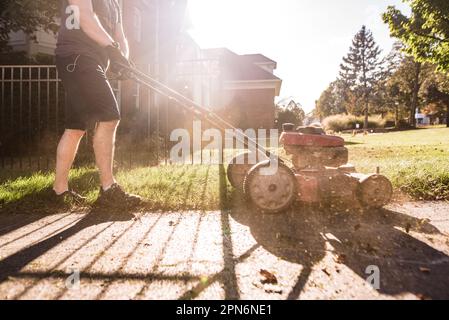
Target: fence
point(32, 115)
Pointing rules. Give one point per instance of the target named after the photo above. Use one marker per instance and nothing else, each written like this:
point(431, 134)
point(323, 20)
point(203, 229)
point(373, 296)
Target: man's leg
point(104, 147)
point(67, 149)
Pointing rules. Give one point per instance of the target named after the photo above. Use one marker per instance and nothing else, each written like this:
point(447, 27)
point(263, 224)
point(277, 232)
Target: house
point(311, 118)
point(249, 88)
point(241, 88)
point(44, 43)
point(422, 119)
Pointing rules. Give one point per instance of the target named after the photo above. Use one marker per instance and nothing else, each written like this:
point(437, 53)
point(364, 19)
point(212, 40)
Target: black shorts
point(89, 95)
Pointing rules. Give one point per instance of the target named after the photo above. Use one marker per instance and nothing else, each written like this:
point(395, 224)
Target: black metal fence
point(31, 109)
point(32, 115)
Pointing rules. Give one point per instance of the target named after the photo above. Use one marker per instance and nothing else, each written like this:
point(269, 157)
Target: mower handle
point(191, 106)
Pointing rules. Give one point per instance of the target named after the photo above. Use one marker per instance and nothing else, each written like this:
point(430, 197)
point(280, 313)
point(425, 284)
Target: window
point(137, 24)
point(137, 96)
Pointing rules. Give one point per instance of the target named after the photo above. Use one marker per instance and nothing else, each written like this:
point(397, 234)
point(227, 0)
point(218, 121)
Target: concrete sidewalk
point(220, 255)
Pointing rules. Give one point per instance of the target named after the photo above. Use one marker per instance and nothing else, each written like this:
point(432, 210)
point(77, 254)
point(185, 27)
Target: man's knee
point(74, 134)
point(109, 125)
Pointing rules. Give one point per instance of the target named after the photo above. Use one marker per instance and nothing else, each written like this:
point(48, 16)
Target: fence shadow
point(12, 265)
point(407, 265)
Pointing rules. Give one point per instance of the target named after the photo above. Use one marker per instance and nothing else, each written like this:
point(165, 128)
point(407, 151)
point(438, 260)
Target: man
point(91, 39)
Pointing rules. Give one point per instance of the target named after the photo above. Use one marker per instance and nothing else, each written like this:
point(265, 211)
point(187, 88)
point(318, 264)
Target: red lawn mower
point(319, 172)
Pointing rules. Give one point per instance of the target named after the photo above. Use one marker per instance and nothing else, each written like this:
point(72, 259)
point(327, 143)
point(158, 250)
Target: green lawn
point(416, 161)
point(174, 187)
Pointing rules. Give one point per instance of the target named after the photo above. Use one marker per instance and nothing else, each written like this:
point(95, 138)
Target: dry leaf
point(341, 258)
point(326, 272)
point(424, 270)
point(408, 227)
point(268, 277)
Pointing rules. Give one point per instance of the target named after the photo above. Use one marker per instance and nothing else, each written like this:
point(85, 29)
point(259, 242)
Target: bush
point(343, 122)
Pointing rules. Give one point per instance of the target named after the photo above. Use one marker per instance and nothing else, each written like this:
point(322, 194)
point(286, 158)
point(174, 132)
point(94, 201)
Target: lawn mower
point(319, 173)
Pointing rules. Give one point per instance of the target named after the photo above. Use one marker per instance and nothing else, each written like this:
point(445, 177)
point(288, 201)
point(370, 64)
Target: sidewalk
point(220, 255)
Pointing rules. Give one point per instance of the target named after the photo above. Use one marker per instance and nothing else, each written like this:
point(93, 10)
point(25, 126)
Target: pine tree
point(361, 68)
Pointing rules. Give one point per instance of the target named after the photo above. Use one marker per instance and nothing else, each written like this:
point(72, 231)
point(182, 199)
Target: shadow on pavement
point(375, 238)
point(12, 265)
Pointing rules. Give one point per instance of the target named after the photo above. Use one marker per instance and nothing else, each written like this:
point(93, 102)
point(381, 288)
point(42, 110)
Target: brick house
point(249, 88)
point(241, 88)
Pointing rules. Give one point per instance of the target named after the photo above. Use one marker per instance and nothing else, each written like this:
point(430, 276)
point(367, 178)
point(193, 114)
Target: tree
point(332, 101)
point(361, 68)
point(435, 92)
point(28, 16)
point(409, 78)
point(425, 33)
point(384, 95)
point(292, 113)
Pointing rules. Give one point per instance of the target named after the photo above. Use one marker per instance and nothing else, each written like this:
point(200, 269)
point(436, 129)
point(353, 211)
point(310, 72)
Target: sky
point(307, 38)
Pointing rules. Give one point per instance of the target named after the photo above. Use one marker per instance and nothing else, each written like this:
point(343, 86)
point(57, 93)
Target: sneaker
point(69, 197)
point(117, 197)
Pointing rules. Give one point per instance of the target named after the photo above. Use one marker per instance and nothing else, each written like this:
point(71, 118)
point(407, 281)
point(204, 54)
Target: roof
point(286, 100)
point(241, 67)
point(259, 59)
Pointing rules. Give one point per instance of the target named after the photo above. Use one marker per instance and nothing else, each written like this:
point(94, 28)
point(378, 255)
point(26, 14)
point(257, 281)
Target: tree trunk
point(447, 114)
point(415, 95)
point(366, 123)
point(396, 116)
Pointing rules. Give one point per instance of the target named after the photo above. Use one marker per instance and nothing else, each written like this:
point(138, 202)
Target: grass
point(174, 187)
point(417, 162)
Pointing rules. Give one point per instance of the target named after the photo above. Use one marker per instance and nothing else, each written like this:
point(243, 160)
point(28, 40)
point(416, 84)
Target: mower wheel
point(375, 191)
point(273, 193)
point(238, 168)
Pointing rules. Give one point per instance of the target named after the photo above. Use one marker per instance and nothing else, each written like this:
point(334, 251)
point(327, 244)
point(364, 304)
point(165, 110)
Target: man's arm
point(90, 23)
point(121, 38)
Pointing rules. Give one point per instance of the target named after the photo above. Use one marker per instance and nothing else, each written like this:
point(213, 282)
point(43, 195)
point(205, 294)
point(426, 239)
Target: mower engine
point(320, 175)
point(323, 174)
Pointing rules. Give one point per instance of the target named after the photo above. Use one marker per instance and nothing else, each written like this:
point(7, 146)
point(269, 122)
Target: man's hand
point(118, 62)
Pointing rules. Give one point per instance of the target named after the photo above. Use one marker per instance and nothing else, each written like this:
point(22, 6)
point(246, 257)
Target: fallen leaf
point(268, 288)
point(268, 277)
point(370, 249)
point(326, 272)
point(424, 270)
point(273, 289)
point(408, 227)
point(341, 259)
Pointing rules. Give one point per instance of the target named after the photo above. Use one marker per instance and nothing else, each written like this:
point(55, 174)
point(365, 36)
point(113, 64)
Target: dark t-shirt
point(74, 41)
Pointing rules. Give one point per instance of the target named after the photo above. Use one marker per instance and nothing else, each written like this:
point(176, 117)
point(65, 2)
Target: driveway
point(401, 252)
